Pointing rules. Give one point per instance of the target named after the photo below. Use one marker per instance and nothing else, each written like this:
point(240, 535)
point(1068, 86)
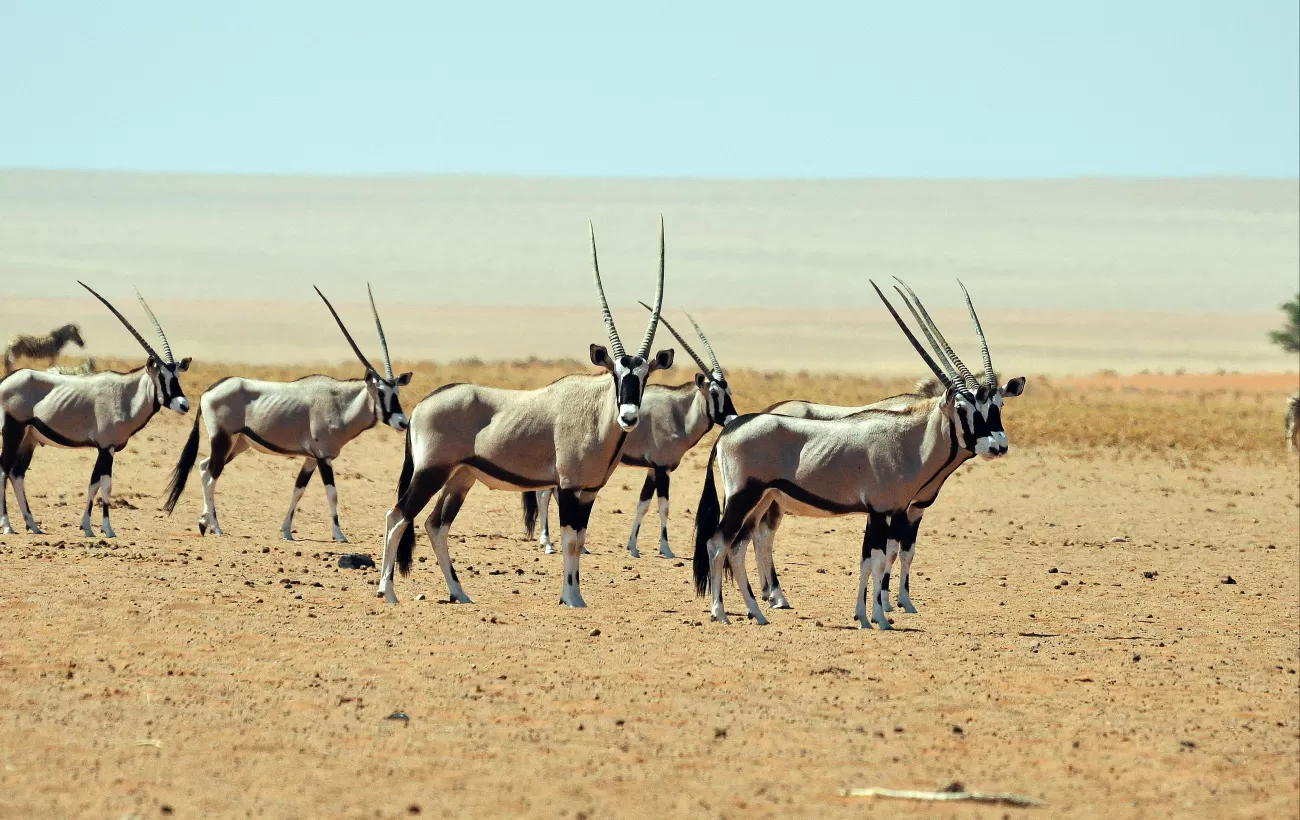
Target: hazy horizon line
point(388, 175)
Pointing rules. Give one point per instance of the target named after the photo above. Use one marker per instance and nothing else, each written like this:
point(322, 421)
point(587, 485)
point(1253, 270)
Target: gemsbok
point(42, 348)
point(888, 462)
point(567, 435)
point(313, 417)
point(101, 410)
point(673, 420)
point(1293, 422)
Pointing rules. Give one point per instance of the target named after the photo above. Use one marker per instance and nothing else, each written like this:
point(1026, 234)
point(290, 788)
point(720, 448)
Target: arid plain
point(1109, 616)
point(1108, 623)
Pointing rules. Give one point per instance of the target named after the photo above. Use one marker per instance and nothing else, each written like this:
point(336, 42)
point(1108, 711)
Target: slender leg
point(210, 469)
point(764, 545)
point(16, 477)
point(544, 510)
point(737, 563)
point(575, 510)
point(424, 483)
point(872, 570)
point(437, 525)
point(647, 492)
point(11, 441)
point(661, 487)
point(105, 488)
point(736, 525)
point(299, 487)
point(332, 496)
point(907, 539)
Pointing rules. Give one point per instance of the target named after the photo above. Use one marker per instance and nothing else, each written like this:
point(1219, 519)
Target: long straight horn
point(708, 348)
point(615, 344)
point(966, 375)
point(934, 368)
point(659, 299)
point(383, 343)
point(704, 368)
point(989, 375)
point(934, 345)
point(167, 349)
point(346, 335)
point(122, 319)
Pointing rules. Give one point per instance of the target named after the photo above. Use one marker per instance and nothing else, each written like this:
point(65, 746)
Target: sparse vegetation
point(1084, 414)
point(1288, 338)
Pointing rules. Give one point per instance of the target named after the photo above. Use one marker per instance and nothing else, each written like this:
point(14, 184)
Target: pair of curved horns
point(716, 370)
point(615, 343)
point(954, 368)
point(162, 337)
point(383, 342)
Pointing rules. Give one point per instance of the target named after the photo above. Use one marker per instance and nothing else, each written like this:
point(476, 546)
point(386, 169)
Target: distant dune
point(1071, 276)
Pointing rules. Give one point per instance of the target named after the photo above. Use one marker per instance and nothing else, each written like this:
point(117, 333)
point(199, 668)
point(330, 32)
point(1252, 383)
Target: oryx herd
point(887, 460)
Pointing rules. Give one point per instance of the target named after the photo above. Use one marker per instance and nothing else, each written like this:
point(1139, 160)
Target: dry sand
point(1072, 276)
point(166, 674)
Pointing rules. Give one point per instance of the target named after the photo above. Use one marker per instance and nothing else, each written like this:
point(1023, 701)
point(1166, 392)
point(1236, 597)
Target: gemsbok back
point(673, 420)
point(101, 410)
point(313, 417)
point(567, 435)
point(888, 462)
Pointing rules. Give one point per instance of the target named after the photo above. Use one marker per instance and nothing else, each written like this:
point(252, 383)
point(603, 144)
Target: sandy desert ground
point(1108, 623)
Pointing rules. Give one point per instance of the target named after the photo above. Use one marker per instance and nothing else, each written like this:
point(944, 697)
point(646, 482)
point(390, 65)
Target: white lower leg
point(891, 552)
point(878, 566)
point(641, 507)
point(91, 493)
point(742, 583)
point(905, 580)
point(716, 553)
point(332, 496)
point(864, 590)
point(438, 535)
point(208, 520)
point(5, 527)
point(664, 550)
point(20, 494)
point(544, 510)
point(571, 593)
point(105, 493)
point(394, 526)
point(286, 529)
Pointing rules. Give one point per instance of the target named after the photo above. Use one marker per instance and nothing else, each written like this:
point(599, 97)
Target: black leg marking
point(648, 488)
point(220, 455)
point(661, 486)
point(304, 475)
point(103, 467)
point(326, 473)
point(875, 535)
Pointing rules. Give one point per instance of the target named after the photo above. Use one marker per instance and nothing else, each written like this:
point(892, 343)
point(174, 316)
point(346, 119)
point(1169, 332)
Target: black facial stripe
point(995, 417)
point(629, 390)
point(967, 438)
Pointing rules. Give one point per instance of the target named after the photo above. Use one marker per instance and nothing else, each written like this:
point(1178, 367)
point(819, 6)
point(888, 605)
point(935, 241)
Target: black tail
point(530, 512)
point(186, 463)
point(707, 515)
point(406, 544)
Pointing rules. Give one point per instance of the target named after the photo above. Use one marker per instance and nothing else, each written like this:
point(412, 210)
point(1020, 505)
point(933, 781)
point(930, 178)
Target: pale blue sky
point(926, 89)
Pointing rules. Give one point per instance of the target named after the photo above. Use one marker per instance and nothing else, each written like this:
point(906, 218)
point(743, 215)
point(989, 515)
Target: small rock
point(1119, 539)
point(957, 730)
point(402, 716)
point(954, 787)
point(1229, 580)
point(1188, 744)
point(1137, 658)
point(1035, 647)
point(355, 560)
point(719, 734)
point(594, 633)
point(420, 597)
point(1150, 575)
point(1053, 571)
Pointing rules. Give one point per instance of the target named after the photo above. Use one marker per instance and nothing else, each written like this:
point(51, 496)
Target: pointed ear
point(600, 357)
point(1014, 387)
point(700, 380)
point(184, 365)
point(662, 360)
point(371, 377)
point(404, 379)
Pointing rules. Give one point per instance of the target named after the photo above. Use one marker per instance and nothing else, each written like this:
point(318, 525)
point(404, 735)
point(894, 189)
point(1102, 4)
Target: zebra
point(674, 420)
point(86, 367)
point(1293, 422)
point(46, 348)
point(888, 462)
point(567, 435)
point(101, 410)
point(313, 417)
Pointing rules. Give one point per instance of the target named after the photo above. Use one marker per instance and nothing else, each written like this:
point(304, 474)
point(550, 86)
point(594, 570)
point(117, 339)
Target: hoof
point(459, 599)
point(108, 533)
point(548, 549)
point(758, 619)
point(632, 553)
point(88, 532)
point(288, 536)
point(341, 539)
point(585, 551)
point(664, 552)
point(35, 530)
